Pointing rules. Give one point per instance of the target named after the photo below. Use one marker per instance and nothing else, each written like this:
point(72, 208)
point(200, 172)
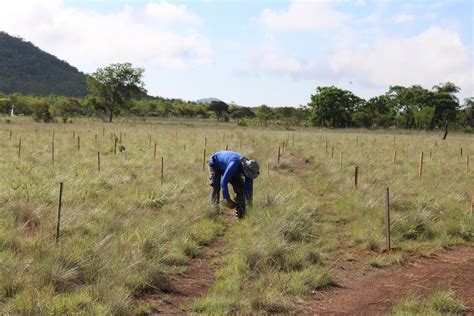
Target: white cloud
point(165, 12)
point(304, 15)
point(157, 35)
point(403, 18)
point(433, 56)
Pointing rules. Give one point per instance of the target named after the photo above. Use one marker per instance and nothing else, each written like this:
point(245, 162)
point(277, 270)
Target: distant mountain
point(26, 69)
point(207, 100)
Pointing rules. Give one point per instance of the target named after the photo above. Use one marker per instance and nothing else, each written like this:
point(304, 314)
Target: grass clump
point(441, 302)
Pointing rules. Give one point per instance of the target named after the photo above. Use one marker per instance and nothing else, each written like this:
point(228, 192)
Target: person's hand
point(230, 204)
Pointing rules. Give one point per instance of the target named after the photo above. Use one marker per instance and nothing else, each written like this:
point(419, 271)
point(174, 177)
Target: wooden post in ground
point(430, 154)
point(162, 167)
point(394, 156)
point(52, 150)
point(205, 142)
point(115, 145)
point(356, 176)
point(472, 203)
point(19, 148)
point(227, 147)
point(326, 145)
point(98, 161)
point(420, 170)
point(78, 143)
point(11, 134)
point(278, 157)
point(387, 213)
point(154, 152)
point(204, 159)
point(340, 158)
point(332, 152)
point(58, 220)
point(461, 151)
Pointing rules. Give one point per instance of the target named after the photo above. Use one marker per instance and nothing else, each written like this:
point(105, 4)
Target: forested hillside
point(26, 69)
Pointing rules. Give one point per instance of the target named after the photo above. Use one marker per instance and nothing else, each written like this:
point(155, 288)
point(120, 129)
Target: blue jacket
point(228, 162)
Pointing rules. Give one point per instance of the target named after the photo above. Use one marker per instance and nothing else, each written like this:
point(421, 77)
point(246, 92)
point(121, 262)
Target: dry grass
point(125, 234)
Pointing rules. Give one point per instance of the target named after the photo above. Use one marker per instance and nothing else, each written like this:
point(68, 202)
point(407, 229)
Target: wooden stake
point(78, 143)
point(162, 166)
point(154, 152)
point(58, 221)
point(394, 156)
point(430, 154)
point(461, 151)
point(326, 145)
point(11, 133)
point(205, 142)
point(420, 170)
point(52, 150)
point(356, 176)
point(332, 152)
point(227, 147)
point(19, 149)
point(340, 158)
point(278, 157)
point(115, 145)
point(204, 159)
point(387, 213)
point(98, 161)
point(467, 164)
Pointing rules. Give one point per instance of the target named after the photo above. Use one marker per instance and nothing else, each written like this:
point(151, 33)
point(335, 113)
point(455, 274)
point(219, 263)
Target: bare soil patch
point(375, 292)
point(196, 281)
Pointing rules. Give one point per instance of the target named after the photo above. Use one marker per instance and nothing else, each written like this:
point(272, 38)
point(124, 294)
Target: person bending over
point(230, 167)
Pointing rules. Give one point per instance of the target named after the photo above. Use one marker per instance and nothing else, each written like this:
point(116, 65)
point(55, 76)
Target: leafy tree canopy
point(117, 85)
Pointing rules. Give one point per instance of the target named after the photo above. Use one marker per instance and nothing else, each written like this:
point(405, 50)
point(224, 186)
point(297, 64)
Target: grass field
point(126, 232)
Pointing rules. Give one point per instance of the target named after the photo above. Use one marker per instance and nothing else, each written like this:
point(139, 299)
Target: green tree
point(219, 108)
point(445, 103)
point(64, 107)
point(264, 114)
point(333, 107)
point(117, 85)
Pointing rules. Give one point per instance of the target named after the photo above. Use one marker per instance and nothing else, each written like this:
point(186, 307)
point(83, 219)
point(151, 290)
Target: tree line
point(118, 89)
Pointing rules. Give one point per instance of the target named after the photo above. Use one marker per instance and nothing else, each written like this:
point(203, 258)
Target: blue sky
point(258, 52)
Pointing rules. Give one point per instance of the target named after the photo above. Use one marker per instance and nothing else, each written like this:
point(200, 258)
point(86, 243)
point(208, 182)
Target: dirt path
point(196, 281)
point(368, 291)
point(376, 292)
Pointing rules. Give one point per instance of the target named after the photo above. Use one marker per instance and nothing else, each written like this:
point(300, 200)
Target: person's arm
point(249, 190)
point(232, 168)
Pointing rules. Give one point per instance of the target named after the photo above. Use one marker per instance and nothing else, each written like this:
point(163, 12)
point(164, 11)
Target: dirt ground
point(375, 292)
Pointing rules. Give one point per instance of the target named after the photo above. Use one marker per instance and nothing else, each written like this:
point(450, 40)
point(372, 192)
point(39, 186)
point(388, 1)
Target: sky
point(252, 52)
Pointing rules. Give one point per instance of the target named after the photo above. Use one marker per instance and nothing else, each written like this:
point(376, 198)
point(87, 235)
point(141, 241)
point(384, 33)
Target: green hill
point(26, 69)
